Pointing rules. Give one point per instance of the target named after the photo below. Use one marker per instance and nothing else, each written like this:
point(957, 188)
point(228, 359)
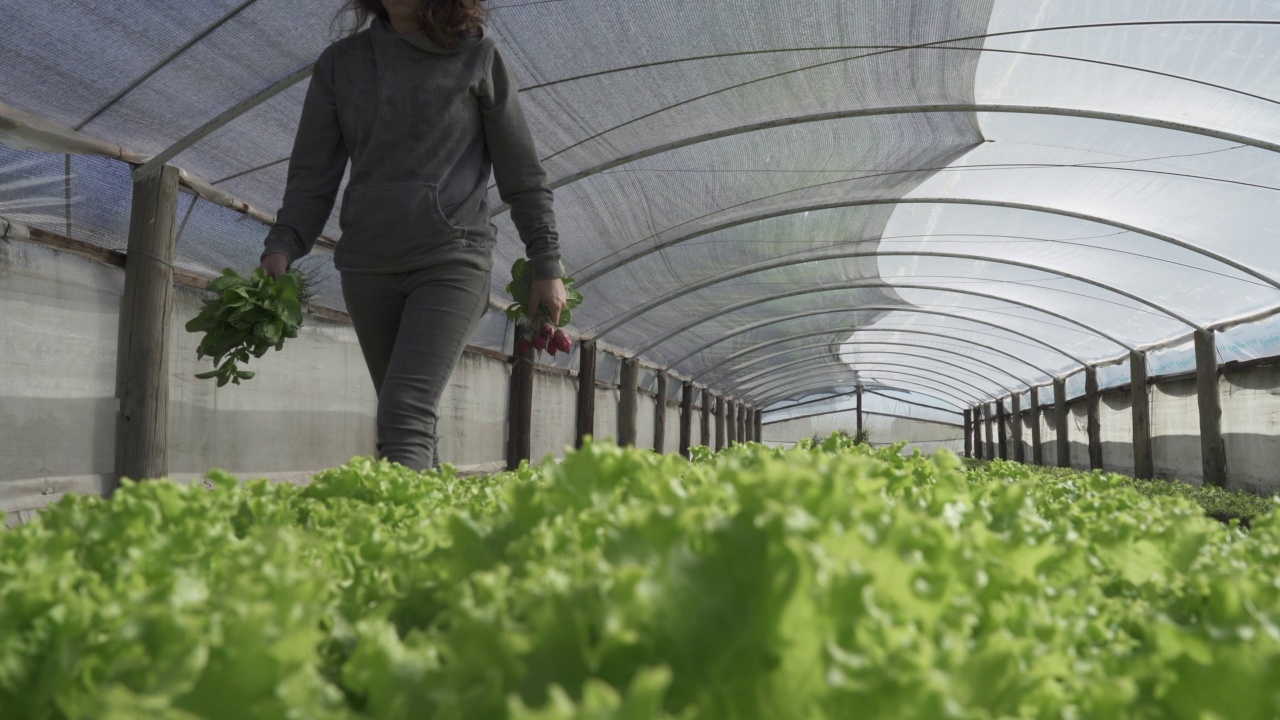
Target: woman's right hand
point(276, 264)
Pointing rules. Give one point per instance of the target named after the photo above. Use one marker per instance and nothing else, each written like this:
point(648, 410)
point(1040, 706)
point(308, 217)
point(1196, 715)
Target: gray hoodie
point(421, 124)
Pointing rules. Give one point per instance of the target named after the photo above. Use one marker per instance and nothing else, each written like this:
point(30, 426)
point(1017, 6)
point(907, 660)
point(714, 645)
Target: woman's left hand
point(548, 293)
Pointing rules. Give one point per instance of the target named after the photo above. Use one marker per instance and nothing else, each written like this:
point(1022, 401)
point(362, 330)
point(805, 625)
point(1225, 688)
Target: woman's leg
point(442, 307)
point(375, 304)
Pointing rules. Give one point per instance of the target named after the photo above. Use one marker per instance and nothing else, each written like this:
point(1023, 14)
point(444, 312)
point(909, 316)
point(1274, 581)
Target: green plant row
point(1218, 503)
point(825, 581)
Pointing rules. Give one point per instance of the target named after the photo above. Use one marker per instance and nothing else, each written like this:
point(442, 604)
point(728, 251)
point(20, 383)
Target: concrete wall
point(555, 412)
point(1175, 431)
point(671, 436)
point(606, 425)
point(646, 409)
point(1251, 427)
point(1048, 438)
point(1115, 420)
point(1078, 433)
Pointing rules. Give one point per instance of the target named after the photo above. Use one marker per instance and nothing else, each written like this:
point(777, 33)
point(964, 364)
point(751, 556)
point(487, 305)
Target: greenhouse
point(977, 236)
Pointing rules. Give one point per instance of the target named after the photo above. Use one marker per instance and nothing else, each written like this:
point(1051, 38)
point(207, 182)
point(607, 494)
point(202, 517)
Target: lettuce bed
point(828, 581)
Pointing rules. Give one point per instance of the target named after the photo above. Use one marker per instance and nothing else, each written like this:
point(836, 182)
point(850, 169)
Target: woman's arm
point(316, 167)
point(522, 182)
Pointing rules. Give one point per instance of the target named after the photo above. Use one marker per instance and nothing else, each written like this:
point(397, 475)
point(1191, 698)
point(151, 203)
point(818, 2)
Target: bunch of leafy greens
point(519, 289)
point(825, 581)
point(248, 316)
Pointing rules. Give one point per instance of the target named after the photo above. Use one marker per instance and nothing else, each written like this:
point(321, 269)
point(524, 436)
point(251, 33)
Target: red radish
point(523, 346)
point(539, 342)
point(560, 341)
point(551, 350)
point(546, 330)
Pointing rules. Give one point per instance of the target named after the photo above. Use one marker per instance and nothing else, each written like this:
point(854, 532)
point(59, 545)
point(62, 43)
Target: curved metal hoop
point(922, 381)
point(944, 351)
point(871, 308)
point(853, 331)
point(777, 383)
point(746, 386)
point(859, 284)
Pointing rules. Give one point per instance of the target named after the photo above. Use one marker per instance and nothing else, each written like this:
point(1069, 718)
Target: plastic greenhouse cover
point(1016, 187)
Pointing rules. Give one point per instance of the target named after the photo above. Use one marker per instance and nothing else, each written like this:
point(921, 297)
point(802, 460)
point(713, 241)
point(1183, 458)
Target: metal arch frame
point(872, 390)
point(775, 264)
point(886, 308)
point(852, 340)
point(890, 379)
point(944, 351)
point(746, 384)
point(778, 383)
point(853, 332)
point(935, 43)
point(957, 384)
point(881, 283)
point(875, 202)
point(920, 382)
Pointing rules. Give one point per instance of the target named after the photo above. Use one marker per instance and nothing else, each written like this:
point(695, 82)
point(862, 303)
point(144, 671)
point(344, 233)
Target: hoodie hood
point(421, 41)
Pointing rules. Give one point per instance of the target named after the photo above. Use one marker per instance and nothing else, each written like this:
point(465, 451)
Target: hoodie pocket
point(390, 223)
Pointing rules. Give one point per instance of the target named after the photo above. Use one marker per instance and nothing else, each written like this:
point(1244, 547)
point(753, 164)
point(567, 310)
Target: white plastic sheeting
point(780, 200)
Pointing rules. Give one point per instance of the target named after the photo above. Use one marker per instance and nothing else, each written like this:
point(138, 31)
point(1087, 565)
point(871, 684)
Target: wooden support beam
point(660, 416)
point(586, 416)
point(627, 405)
point(989, 414)
point(742, 423)
point(1002, 431)
point(705, 420)
point(1037, 452)
point(730, 426)
point(968, 433)
point(1019, 453)
point(1213, 451)
point(721, 411)
point(979, 451)
point(759, 425)
point(1063, 443)
point(520, 408)
point(1094, 413)
point(860, 419)
point(686, 417)
point(142, 349)
point(1140, 406)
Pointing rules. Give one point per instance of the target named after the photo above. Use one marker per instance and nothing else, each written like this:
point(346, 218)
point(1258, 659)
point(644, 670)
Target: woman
point(423, 105)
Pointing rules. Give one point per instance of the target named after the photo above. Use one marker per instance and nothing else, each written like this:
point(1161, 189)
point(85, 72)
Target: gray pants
point(412, 329)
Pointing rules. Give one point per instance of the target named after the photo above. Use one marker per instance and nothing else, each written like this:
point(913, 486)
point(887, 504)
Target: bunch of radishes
point(539, 332)
point(548, 338)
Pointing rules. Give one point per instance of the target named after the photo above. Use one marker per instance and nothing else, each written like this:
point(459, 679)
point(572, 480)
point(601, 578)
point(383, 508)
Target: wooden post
point(759, 425)
point(1037, 452)
point(968, 433)
point(586, 392)
point(989, 415)
point(1094, 417)
point(705, 420)
point(1060, 422)
point(861, 420)
point(1213, 451)
point(743, 411)
point(1002, 431)
point(978, 449)
point(1019, 454)
point(730, 424)
point(720, 418)
point(1140, 399)
point(660, 416)
point(142, 348)
point(686, 417)
point(627, 407)
point(520, 408)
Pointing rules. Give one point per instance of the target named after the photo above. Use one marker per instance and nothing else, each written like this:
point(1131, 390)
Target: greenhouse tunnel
point(1042, 231)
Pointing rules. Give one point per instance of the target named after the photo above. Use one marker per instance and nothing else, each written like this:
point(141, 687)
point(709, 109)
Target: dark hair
point(446, 22)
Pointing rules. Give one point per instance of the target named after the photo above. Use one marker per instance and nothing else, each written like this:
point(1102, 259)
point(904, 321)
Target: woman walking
point(423, 106)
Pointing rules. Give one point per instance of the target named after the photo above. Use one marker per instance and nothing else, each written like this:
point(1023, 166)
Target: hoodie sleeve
point(316, 167)
point(522, 181)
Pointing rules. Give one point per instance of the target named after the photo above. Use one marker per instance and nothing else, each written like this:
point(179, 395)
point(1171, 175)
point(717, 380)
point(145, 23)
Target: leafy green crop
point(522, 284)
point(826, 581)
point(249, 316)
